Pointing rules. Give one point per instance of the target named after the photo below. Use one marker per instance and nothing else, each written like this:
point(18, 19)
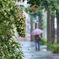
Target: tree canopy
point(52, 5)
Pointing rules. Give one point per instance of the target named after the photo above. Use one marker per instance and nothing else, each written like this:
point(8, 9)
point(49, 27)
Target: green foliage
point(20, 23)
point(43, 41)
point(47, 4)
point(52, 5)
point(9, 48)
point(35, 2)
point(34, 9)
point(53, 47)
point(49, 46)
point(16, 0)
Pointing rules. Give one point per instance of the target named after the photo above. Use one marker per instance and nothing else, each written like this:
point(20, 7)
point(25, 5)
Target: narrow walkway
point(29, 51)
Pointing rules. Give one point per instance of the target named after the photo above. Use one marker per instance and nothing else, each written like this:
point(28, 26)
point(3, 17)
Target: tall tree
point(48, 5)
point(40, 21)
point(57, 15)
point(31, 24)
point(50, 28)
point(38, 10)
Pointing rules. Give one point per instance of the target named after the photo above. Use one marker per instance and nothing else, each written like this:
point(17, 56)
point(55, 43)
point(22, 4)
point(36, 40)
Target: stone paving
point(29, 51)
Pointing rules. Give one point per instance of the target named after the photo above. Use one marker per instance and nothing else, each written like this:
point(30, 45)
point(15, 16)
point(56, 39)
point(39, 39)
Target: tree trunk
point(31, 24)
point(57, 15)
point(40, 22)
point(35, 25)
point(50, 28)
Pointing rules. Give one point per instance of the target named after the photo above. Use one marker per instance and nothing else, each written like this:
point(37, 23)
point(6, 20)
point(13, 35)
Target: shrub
point(53, 47)
point(43, 41)
point(9, 48)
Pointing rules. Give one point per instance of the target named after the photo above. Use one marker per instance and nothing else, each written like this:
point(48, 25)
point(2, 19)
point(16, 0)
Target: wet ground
point(29, 51)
